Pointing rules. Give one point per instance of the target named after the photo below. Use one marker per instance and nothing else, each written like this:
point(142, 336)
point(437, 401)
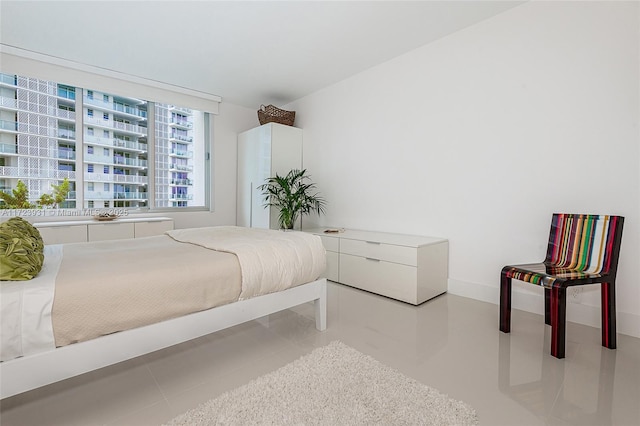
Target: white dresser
point(78, 231)
point(409, 268)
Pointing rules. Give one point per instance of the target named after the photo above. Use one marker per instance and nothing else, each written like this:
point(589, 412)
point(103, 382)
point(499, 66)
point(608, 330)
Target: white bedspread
point(25, 310)
point(270, 260)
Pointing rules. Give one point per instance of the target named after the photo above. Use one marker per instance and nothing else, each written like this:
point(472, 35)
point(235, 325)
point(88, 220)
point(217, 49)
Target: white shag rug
point(333, 385)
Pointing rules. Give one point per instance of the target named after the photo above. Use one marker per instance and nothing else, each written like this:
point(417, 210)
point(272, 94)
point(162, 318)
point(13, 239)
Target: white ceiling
point(250, 53)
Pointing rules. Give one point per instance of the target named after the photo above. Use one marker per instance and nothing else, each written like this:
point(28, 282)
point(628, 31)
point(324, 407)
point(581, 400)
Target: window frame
point(70, 74)
point(207, 184)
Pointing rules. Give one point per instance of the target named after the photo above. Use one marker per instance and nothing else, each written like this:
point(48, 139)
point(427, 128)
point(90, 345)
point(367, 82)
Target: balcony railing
point(101, 177)
point(8, 79)
point(181, 123)
point(8, 148)
point(32, 107)
point(115, 142)
point(127, 127)
point(133, 162)
point(67, 155)
point(65, 114)
point(34, 151)
point(180, 167)
point(66, 134)
point(20, 172)
point(188, 139)
point(108, 195)
point(187, 182)
point(137, 146)
point(106, 159)
point(181, 196)
point(11, 126)
point(130, 128)
point(180, 153)
point(7, 102)
point(185, 111)
point(130, 110)
point(131, 195)
point(110, 106)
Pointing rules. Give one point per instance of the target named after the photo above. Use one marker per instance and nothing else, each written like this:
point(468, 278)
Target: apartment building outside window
point(45, 125)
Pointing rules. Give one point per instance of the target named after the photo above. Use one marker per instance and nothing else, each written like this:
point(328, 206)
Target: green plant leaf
point(293, 195)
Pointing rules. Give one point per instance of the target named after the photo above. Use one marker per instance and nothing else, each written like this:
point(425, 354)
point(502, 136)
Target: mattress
point(87, 290)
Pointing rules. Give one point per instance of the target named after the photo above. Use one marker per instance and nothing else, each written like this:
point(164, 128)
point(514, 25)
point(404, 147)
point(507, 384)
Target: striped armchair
point(583, 249)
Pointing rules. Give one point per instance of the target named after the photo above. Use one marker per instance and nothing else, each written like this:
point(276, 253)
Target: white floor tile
point(450, 343)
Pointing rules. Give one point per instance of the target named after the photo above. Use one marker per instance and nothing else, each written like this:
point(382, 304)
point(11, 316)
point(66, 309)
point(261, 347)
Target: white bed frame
point(30, 372)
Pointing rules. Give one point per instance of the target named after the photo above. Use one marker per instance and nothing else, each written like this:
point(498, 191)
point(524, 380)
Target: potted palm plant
point(293, 195)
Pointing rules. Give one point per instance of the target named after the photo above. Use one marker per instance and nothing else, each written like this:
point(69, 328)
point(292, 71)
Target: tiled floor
point(450, 343)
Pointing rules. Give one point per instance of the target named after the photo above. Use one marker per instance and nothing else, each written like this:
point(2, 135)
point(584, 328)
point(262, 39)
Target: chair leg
point(558, 321)
point(608, 299)
point(505, 303)
point(547, 306)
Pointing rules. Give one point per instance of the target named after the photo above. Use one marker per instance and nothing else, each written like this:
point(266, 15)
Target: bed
point(96, 304)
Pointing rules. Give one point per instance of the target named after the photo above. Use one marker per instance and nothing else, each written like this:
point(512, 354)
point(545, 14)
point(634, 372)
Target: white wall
point(482, 135)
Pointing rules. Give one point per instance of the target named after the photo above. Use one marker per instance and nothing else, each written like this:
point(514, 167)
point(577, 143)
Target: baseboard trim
point(532, 301)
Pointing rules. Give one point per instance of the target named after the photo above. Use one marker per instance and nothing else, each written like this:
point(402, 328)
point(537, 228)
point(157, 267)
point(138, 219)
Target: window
point(66, 131)
point(106, 186)
point(66, 92)
point(179, 146)
point(90, 204)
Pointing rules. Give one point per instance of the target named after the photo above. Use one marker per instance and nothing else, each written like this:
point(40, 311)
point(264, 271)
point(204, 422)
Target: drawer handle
point(373, 242)
point(372, 259)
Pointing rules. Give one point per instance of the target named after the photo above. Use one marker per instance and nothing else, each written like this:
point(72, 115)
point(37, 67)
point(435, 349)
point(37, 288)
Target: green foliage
point(60, 192)
point(19, 197)
point(293, 195)
point(46, 200)
point(59, 195)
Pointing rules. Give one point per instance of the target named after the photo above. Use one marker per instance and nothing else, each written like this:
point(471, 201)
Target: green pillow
point(21, 250)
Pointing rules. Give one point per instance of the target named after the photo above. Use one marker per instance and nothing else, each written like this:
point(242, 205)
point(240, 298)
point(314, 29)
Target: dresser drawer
point(379, 251)
point(63, 234)
point(330, 243)
point(388, 279)
point(110, 231)
point(152, 227)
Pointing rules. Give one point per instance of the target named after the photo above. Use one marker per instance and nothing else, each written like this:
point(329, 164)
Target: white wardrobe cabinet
point(262, 152)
